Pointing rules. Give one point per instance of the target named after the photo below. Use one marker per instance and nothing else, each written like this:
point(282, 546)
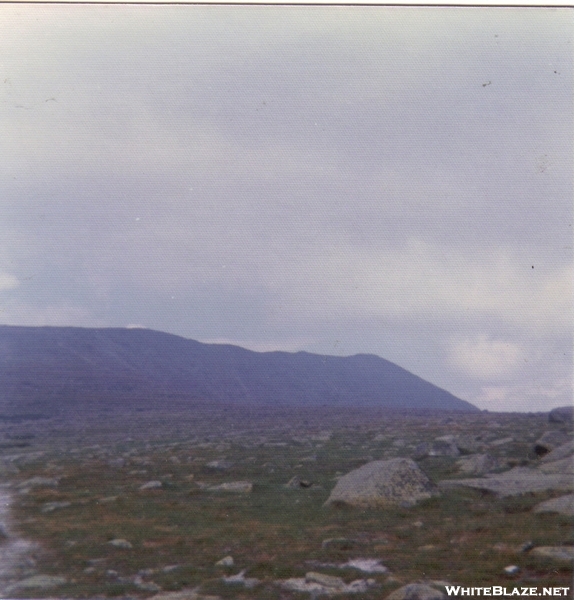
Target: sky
point(338, 180)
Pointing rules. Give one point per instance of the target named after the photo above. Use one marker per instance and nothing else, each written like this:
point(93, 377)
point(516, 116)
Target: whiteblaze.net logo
point(498, 590)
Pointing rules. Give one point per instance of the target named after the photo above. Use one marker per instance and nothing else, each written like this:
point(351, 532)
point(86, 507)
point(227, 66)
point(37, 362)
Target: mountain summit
point(55, 370)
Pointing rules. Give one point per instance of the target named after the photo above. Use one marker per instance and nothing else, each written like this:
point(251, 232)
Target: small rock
point(324, 580)
point(225, 562)
point(107, 499)
point(501, 441)
point(170, 568)
point(235, 487)
point(526, 547)
point(309, 459)
point(218, 465)
point(296, 483)
point(151, 485)
point(367, 565)
point(248, 582)
point(512, 570)
point(121, 543)
point(147, 586)
point(52, 506)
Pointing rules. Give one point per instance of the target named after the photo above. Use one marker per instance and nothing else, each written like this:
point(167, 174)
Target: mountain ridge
point(61, 369)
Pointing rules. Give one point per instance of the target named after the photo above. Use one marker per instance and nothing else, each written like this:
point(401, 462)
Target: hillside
point(61, 370)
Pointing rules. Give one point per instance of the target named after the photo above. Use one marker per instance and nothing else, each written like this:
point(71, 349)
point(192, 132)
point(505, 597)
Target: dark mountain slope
point(49, 370)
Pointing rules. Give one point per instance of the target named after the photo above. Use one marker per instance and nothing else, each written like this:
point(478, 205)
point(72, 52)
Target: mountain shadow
point(61, 370)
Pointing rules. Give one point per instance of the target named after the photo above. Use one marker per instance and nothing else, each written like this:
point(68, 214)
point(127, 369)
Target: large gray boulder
point(519, 480)
point(380, 483)
point(563, 505)
point(477, 464)
point(550, 440)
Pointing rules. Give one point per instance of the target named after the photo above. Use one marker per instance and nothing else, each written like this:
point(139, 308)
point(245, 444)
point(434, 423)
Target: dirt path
point(13, 550)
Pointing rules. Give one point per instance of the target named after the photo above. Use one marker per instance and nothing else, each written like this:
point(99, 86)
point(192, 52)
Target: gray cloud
point(342, 179)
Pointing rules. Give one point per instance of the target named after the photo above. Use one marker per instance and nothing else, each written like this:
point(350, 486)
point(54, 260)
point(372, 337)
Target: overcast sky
point(340, 180)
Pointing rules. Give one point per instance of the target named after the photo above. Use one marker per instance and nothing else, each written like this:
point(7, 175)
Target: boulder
point(416, 591)
point(297, 483)
point(519, 480)
point(501, 442)
point(469, 444)
point(216, 466)
point(248, 582)
point(234, 487)
point(325, 580)
point(477, 464)
point(562, 414)
point(549, 441)
point(43, 582)
point(564, 451)
point(561, 467)
point(151, 485)
point(367, 565)
point(380, 483)
point(563, 505)
point(319, 584)
point(441, 446)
